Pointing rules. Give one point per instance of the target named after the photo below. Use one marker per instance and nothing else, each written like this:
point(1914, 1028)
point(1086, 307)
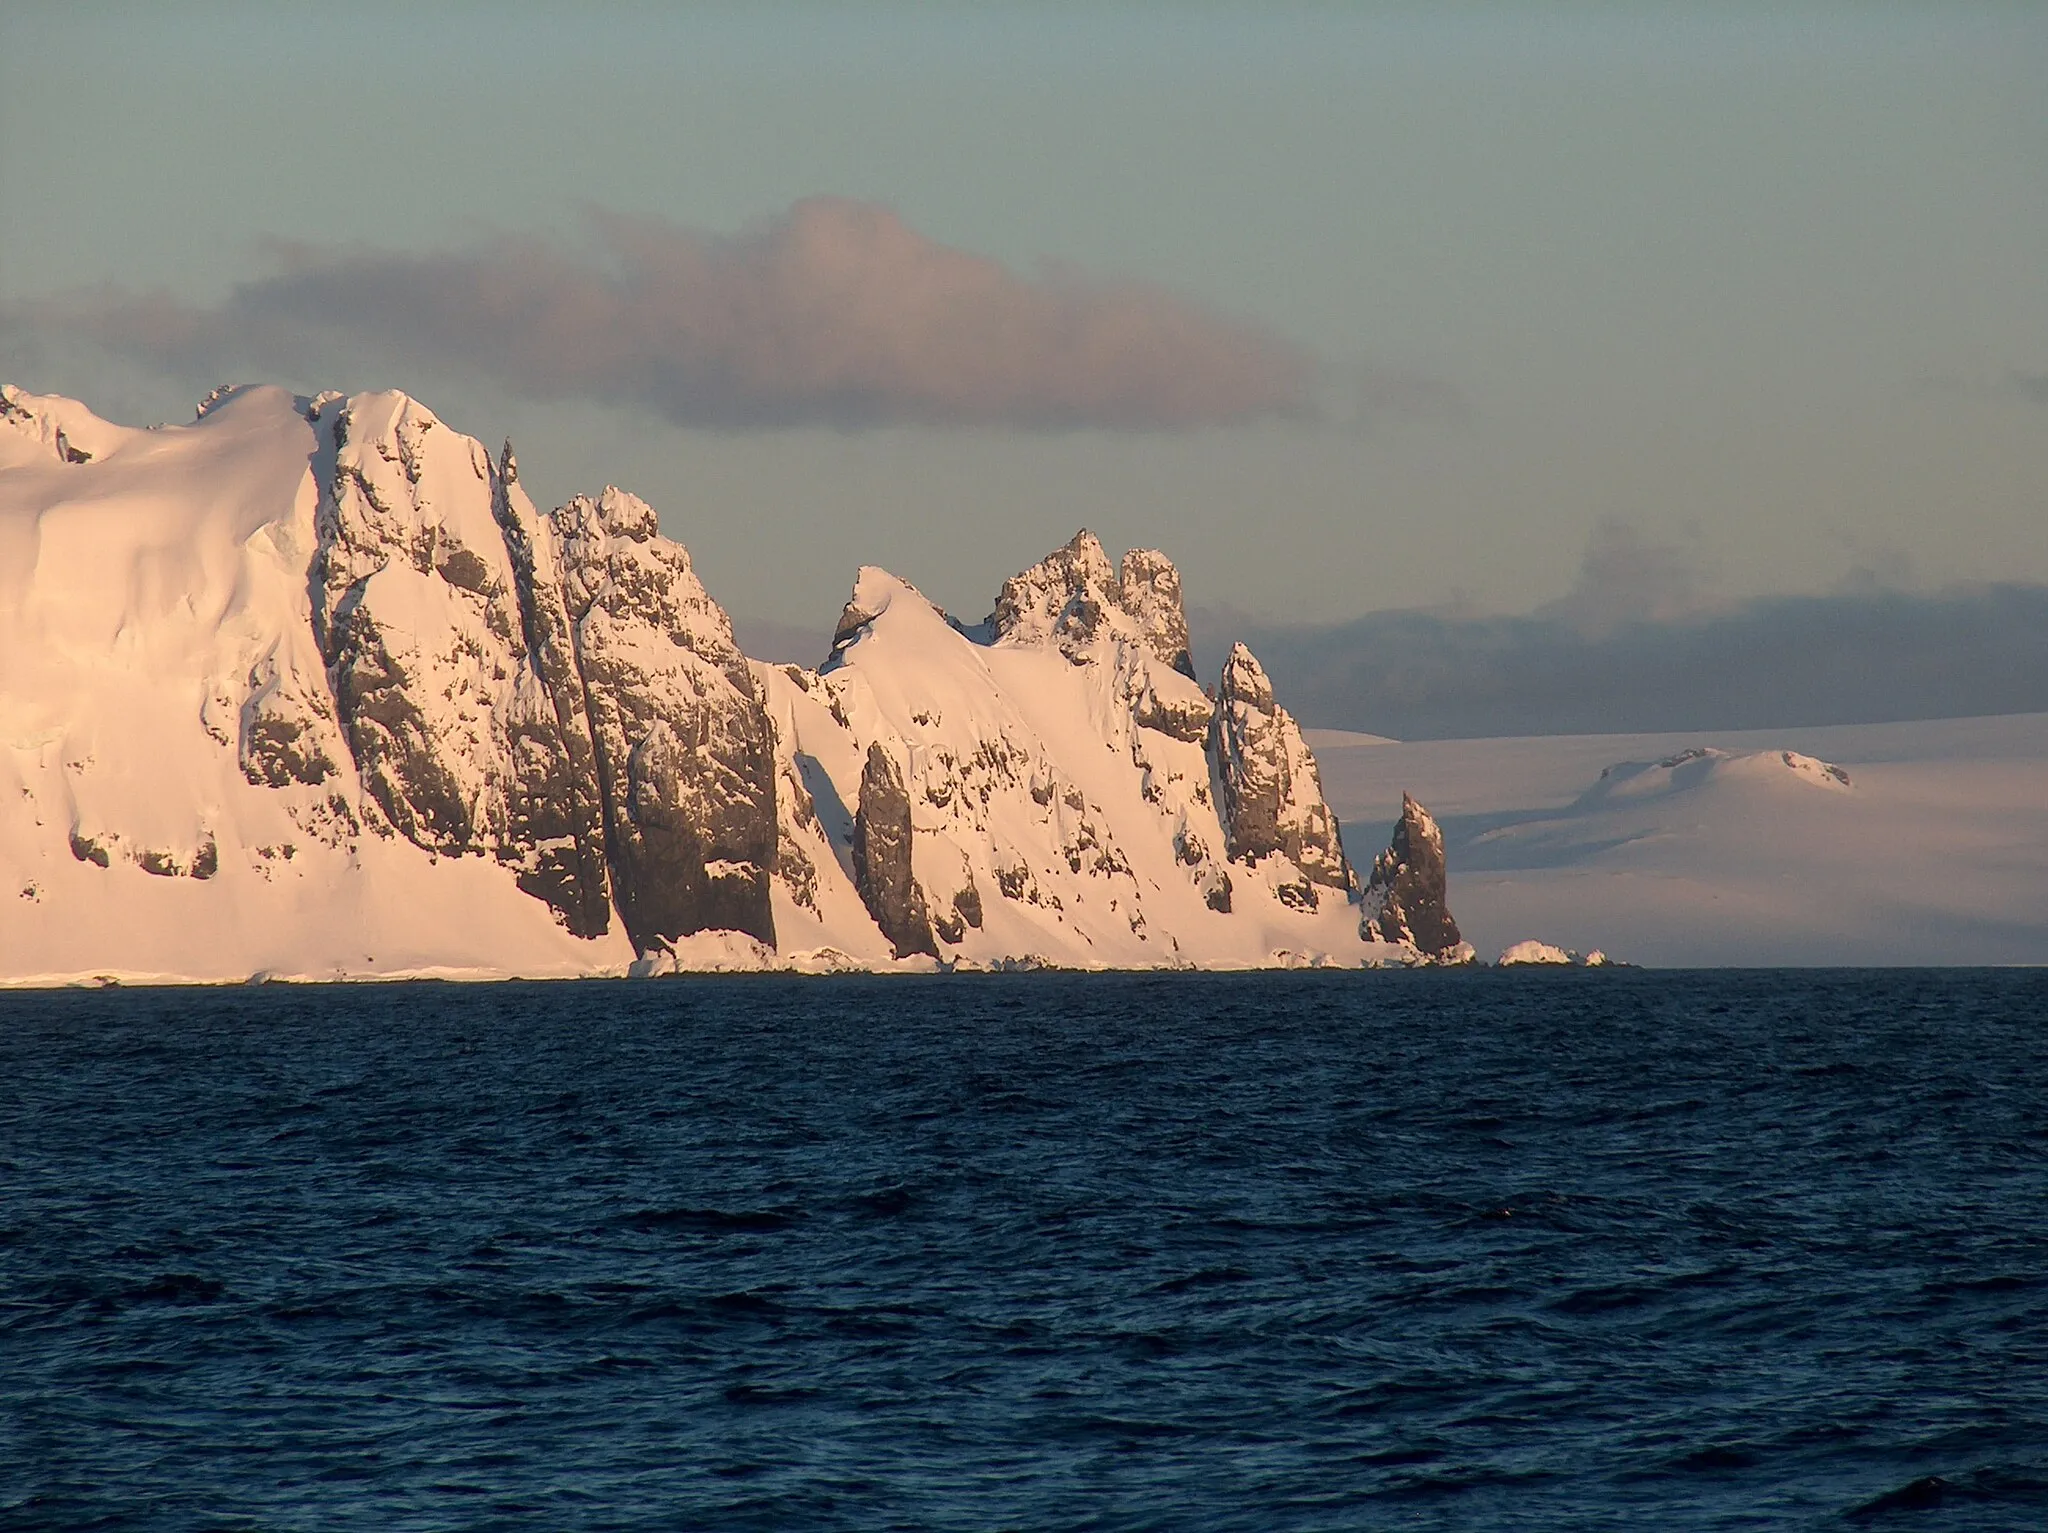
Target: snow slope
point(1934, 851)
point(152, 598)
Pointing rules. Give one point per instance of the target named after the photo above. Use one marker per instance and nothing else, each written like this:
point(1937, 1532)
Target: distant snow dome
point(1707, 767)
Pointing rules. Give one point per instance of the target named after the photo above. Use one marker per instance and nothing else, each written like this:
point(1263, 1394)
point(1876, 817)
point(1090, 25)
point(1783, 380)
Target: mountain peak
point(1149, 584)
point(626, 515)
point(875, 590)
point(1063, 598)
point(1244, 680)
point(1074, 595)
point(1271, 793)
point(1405, 895)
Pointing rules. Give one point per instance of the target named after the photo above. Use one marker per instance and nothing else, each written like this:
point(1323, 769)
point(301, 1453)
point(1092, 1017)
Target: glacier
point(1913, 842)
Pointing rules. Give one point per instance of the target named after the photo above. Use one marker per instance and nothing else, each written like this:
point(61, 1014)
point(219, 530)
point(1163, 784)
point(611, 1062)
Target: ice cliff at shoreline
point(310, 687)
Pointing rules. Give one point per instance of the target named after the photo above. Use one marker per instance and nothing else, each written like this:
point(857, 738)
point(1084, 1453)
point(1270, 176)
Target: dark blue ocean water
point(1509, 1250)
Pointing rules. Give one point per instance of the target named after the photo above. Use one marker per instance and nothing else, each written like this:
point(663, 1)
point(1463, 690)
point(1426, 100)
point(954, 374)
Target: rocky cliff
point(1268, 789)
point(685, 758)
point(1405, 898)
point(558, 693)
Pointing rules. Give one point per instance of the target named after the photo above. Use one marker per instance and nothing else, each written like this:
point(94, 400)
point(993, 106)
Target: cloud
point(2032, 386)
point(1626, 577)
point(1405, 394)
point(1849, 657)
point(835, 313)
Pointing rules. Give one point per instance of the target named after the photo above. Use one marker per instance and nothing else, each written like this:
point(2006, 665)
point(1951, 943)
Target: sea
point(1504, 1249)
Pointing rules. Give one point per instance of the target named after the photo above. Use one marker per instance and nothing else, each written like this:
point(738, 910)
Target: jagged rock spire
point(1074, 594)
point(1149, 586)
point(1269, 793)
point(1405, 896)
point(1063, 597)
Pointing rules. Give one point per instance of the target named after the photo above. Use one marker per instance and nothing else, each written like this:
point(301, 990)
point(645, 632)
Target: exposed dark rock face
point(1405, 899)
point(1268, 792)
point(554, 810)
point(881, 858)
point(1149, 586)
point(288, 734)
point(1216, 893)
point(685, 752)
point(555, 692)
point(852, 619)
point(1183, 716)
point(202, 864)
point(415, 615)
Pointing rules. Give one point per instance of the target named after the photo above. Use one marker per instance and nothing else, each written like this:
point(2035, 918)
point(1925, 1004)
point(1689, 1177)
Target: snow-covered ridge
point(309, 687)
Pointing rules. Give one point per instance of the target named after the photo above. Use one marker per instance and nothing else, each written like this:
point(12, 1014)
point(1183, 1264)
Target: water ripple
point(1149, 1252)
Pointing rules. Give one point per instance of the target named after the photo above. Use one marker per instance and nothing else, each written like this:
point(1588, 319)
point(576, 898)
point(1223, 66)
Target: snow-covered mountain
point(310, 687)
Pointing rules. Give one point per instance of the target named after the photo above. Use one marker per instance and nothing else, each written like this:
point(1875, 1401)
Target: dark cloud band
point(1778, 662)
point(836, 313)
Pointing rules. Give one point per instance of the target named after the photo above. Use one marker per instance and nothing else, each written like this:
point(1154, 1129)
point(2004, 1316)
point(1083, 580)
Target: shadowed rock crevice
point(556, 811)
point(882, 862)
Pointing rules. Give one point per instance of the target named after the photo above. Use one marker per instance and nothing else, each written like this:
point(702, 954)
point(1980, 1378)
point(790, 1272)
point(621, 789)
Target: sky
point(1472, 309)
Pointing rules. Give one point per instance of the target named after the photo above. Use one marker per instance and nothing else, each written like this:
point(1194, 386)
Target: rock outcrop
point(1075, 596)
point(414, 612)
point(1405, 899)
point(555, 803)
point(685, 755)
point(1149, 586)
point(558, 693)
point(1268, 791)
point(1065, 598)
point(882, 866)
